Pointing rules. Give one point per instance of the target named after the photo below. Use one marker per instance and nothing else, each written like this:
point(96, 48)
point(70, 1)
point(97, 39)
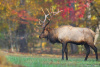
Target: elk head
point(45, 30)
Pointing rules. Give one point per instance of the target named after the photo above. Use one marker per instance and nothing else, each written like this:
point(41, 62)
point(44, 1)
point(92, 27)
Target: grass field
point(39, 61)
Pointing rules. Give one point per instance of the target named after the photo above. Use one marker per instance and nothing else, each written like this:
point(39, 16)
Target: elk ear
point(48, 29)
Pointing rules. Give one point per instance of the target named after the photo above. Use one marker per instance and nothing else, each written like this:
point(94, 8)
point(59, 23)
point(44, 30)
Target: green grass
point(39, 61)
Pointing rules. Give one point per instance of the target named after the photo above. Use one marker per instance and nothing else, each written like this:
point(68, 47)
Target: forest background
point(20, 27)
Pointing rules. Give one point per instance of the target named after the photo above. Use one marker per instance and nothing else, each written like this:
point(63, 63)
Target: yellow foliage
point(76, 6)
point(97, 2)
point(56, 26)
point(34, 23)
point(45, 0)
point(54, 7)
point(1, 8)
point(43, 44)
point(81, 25)
point(93, 18)
point(50, 0)
point(37, 36)
point(27, 1)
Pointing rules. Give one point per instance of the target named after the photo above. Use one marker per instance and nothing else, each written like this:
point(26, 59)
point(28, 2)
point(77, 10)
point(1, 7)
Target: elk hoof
point(85, 60)
point(96, 59)
point(62, 59)
point(66, 59)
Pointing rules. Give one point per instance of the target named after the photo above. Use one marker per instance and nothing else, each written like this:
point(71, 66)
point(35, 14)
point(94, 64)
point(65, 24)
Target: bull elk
point(69, 34)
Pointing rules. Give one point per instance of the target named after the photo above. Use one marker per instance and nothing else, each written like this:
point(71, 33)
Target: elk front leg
point(87, 51)
point(63, 50)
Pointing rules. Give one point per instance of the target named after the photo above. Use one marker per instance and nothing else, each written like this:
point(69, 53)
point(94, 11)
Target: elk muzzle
point(40, 36)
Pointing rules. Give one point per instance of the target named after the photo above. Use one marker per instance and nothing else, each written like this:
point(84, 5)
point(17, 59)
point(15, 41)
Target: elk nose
point(40, 37)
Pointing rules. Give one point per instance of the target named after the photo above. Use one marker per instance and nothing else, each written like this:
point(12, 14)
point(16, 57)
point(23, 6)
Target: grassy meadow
point(40, 61)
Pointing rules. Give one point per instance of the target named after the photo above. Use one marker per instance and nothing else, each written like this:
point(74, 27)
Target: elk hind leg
point(95, 50)
point(66, 51)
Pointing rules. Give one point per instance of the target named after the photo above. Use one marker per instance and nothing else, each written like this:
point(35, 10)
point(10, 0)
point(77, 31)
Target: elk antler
point(46, 16)
point(54, 13)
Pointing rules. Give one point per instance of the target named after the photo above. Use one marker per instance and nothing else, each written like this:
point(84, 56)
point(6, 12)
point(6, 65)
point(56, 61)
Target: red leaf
point(14, 12)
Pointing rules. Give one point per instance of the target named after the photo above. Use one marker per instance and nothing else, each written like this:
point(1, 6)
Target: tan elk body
point(71, 34)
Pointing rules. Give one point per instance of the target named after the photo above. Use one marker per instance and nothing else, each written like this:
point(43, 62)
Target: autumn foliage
point(24, 17)
point(75, 9)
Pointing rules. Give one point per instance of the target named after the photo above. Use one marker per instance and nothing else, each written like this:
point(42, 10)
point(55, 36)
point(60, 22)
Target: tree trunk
point(10, 35)
point(21, 32)
point(22, 39)
point(41, 46)
point(88, 15)
point(97, 34)
point(23, 45)
point(74, 48)
point(98, 26)
point(51, 50)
